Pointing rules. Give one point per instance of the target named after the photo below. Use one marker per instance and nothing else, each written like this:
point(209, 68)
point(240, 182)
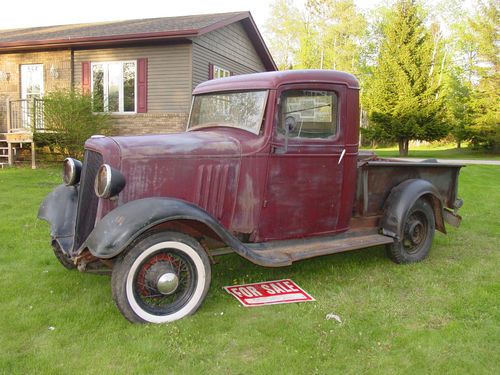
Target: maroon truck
point(268, 168)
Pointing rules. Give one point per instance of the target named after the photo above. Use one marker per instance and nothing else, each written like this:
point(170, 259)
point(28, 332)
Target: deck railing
point(24, 115)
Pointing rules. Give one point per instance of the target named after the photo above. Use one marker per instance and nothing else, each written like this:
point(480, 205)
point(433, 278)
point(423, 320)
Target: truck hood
point(192, 144)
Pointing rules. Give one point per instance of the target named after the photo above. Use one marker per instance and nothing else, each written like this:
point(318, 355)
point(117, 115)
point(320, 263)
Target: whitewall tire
point(162, 278)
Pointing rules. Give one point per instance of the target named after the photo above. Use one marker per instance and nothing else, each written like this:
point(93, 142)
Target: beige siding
point(230, 48)
point(169, 72)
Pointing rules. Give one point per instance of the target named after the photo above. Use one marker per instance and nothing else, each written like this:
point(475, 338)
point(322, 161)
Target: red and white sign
point(269, 293)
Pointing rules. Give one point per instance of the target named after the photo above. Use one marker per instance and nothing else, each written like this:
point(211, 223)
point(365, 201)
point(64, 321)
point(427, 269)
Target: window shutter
point(142, 85)
point(210, 71)
point(86, 77)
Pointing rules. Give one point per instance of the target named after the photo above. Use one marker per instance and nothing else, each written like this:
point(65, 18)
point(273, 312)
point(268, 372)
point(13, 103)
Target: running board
point(295, 250)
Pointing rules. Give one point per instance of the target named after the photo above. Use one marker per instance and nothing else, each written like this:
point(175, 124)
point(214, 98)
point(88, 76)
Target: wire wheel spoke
point(146, 290)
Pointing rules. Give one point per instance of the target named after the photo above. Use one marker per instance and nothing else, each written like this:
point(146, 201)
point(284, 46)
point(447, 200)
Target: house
point(141, 71)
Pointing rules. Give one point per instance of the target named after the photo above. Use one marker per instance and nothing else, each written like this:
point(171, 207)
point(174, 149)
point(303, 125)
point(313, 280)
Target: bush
point(69, 121)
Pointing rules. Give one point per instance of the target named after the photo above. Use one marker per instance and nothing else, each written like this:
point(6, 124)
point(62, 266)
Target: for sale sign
point(269, 293)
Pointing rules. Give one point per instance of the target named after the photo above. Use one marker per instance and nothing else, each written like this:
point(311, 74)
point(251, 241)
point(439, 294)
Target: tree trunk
point(459, 144)
point(403, 147)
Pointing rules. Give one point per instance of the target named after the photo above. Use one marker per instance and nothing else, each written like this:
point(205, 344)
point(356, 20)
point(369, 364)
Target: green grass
point(440, 316)
point(439, 152)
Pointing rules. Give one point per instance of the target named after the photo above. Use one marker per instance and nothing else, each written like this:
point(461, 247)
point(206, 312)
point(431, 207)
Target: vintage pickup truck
point(268, 168)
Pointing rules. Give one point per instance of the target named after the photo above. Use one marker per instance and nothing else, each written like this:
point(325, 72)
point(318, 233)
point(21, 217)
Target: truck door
point(305, 170)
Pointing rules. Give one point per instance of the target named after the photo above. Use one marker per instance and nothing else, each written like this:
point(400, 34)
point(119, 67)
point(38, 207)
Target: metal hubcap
point(416, 232)
point(167, 283)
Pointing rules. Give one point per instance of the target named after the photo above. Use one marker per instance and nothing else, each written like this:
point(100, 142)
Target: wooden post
point(8, 114)
point(9, 153)
point(33, 165)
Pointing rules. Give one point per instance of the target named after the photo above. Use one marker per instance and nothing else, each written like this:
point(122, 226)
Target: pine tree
point(484, 27)
point(405, 99)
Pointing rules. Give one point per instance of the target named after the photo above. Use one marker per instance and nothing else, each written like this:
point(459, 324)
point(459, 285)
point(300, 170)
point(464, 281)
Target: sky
point(31, 13)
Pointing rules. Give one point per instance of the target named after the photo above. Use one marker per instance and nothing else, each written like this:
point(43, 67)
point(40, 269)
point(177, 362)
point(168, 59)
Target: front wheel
point(162, 278)
point(61, 256)
point(418, 233)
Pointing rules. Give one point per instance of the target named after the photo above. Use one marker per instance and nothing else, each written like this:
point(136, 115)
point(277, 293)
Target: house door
point(305, 169)
point(31, 89)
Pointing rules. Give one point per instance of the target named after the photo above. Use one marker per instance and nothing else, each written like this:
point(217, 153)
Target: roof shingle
point(115, 28)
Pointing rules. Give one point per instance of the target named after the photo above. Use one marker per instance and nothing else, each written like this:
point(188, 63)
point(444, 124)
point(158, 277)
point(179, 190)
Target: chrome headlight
point(72, 169)
point(108, 182)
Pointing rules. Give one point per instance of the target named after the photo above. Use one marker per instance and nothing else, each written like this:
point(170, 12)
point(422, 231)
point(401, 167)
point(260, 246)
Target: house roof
point(131, 31)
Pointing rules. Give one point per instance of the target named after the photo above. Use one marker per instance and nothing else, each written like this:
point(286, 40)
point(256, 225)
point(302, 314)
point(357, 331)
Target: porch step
point(309, 248)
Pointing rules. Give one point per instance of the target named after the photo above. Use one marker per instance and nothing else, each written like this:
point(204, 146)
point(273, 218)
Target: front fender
point(59, 210)
point(125, 223)
point(402, 198)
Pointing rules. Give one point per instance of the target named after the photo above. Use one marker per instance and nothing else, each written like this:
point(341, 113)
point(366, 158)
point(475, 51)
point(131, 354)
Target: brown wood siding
point(229, 48)
point(169, 72)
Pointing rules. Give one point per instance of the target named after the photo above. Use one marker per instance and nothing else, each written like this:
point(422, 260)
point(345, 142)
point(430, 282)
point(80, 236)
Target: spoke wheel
point(164, 277)
point(418, 233)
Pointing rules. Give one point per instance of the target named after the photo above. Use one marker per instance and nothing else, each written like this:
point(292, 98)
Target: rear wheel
point(162, 278)
point(418, 233)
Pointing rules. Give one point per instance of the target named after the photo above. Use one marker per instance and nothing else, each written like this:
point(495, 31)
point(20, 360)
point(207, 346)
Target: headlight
point(72, 169)
point(108, 182)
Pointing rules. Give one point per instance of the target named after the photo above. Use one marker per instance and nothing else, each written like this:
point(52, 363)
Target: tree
point(283, 29)
point(459, 112)
point(325, 35)
point(339, 27)
point(486, 98)
point(406, 101)
point(69, 121)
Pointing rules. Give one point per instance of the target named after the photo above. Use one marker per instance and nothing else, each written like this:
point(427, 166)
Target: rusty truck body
point(268, 168)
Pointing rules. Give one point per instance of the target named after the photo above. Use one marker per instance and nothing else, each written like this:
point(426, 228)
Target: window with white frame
point(114, 86)
point(220, 72)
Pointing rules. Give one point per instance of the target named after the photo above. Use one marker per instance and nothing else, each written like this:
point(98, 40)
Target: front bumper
point(59, 209)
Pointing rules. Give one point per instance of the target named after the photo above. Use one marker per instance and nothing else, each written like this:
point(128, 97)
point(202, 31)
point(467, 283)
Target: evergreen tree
point(405, 90)
point(486, 98)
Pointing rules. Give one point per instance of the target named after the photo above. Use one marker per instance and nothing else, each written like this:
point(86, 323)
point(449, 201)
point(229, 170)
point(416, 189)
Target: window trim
point(121, 88)
point(219, 68)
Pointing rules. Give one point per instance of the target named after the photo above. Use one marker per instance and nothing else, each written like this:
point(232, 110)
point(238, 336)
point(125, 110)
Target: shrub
point(68, 118)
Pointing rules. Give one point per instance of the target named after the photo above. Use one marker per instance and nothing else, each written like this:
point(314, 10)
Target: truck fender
point(59, 210)
point(401, 198)
point(120, 227)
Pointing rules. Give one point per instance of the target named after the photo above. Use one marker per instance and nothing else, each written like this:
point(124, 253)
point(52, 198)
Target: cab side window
point(308, 114)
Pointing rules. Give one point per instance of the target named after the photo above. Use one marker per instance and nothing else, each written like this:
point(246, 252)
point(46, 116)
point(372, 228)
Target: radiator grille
point(87, 200)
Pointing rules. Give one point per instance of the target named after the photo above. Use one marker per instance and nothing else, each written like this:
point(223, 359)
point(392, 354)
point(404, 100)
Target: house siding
point(11, 62)
point(229, 48)
point(169, 72)
point(169, 86)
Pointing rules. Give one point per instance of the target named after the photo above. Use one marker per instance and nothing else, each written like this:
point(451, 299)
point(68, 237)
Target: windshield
point(243, 110)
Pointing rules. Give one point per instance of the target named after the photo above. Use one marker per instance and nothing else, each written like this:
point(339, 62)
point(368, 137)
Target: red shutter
point(210, 71)
point(142, 85)
point(86, 77)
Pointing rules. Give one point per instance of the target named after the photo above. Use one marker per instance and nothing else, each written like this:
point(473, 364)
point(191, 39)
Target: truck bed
point(377, 176)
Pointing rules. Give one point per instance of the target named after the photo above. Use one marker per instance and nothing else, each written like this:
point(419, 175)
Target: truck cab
point(268, 168)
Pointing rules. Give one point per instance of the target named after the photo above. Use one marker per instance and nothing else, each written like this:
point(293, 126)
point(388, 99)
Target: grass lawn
point(439, 152)
point(440, 316)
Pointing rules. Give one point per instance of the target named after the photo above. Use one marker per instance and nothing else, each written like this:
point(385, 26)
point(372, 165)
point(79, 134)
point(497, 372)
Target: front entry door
point(305, 171)
point(31, 89)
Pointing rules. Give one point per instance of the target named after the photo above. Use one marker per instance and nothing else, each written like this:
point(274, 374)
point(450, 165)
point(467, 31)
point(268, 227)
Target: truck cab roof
point(273, 80)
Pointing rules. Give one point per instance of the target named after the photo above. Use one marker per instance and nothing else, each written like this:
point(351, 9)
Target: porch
point(24, 117)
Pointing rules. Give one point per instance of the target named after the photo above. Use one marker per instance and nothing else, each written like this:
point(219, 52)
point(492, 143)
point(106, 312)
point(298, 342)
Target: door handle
point(341, 156)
